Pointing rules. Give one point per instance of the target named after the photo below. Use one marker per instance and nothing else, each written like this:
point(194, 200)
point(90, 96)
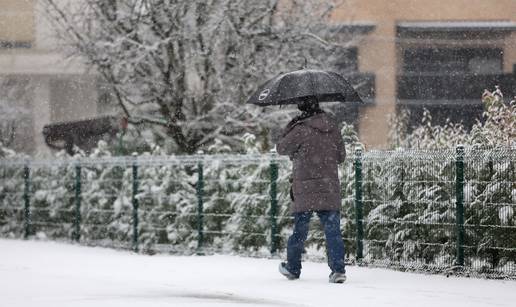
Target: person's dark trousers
point(334, 243)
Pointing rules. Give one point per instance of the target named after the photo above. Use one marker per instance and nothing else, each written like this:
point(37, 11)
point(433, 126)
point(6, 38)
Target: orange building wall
point(377, 52)
point(17, 20)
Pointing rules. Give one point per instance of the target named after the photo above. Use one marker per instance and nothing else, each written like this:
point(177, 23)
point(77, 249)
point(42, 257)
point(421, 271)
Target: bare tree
point(187, 66)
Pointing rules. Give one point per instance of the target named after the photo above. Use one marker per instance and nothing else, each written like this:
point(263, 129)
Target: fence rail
point(426, 210)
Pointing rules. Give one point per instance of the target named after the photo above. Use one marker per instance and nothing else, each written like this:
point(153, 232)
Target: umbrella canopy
point(289, 88)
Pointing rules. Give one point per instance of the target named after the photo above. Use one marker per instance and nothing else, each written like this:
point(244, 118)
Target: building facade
point(438, 54)
point(39, 83)
point(409, 54)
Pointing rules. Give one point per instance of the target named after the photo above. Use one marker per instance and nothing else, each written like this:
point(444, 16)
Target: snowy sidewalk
point(54, 274)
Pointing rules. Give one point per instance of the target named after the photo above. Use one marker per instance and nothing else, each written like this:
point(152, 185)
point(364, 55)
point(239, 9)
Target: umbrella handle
point(306, 63)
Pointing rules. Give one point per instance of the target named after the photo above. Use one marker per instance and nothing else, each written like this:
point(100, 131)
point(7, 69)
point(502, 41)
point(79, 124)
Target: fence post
point(459, 195)
point(274, 203)
point(135, 202)
point(26, 198)
point(76, 235)
point(200, 204)
point(359, 203)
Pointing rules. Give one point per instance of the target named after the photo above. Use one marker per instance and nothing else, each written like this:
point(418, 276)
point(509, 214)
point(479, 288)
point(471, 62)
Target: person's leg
point(296, 241)
point(334, 243)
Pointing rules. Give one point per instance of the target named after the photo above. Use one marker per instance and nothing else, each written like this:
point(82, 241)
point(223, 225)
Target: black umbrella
point(289, 87)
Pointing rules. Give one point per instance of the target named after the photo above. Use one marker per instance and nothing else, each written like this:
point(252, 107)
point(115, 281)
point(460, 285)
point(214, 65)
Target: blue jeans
point(334, 243)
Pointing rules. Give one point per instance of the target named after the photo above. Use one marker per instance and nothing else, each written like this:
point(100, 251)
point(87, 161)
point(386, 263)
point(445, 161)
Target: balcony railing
point(452, 87)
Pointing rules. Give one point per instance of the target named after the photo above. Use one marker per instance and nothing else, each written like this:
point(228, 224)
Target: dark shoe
point(285, 272)
point(337, 278)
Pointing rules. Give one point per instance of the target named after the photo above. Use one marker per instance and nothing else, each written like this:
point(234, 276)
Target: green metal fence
point(438, 211)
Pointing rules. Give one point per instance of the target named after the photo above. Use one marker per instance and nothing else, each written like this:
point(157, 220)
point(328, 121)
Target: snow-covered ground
point(55, 274)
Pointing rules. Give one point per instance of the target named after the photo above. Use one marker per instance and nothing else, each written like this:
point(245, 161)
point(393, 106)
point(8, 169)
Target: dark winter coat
point(315, 146)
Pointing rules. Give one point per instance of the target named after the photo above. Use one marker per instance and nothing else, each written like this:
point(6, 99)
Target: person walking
point(314, 143)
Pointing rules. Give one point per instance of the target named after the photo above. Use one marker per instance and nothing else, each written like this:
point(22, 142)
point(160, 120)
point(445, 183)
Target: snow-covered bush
point(489, 199)
point(489, 175)
point(52, 198)
point(11, 195)
point(407, 200)
point(237, 204)
point(497, 129)
point(236, 199)
point(8, 153)
point(167, 204)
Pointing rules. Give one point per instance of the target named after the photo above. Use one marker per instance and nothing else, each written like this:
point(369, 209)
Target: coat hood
point(321, 122)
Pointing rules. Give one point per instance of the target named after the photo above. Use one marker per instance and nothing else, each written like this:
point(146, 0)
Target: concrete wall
point(378, 51)
point(60, 88)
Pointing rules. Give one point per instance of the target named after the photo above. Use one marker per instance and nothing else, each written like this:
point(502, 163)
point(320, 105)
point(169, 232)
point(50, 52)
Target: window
point(452, 60)
point(448, 82)
point(15, 45)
